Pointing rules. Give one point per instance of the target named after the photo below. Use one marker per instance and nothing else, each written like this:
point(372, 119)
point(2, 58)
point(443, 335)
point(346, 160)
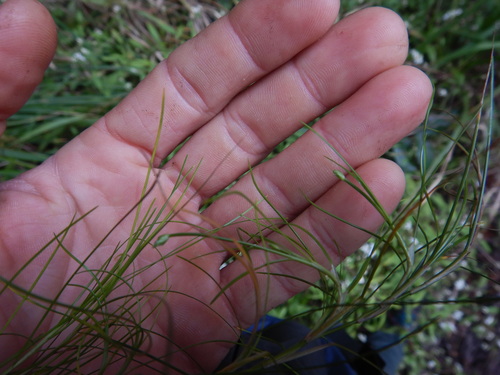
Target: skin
point(300, 66)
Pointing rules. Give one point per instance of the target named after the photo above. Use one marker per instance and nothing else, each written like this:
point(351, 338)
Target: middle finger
point(351, 53)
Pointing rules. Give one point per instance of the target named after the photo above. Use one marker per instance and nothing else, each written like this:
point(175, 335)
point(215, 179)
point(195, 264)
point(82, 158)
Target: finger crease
point(245, 48)
point(244, 137)
point(268, 185)
point(323, 234)
point(193, 99)
point(309, 85)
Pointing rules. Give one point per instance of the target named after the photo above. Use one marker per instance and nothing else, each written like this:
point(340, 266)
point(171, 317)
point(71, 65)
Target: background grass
point(106, 47)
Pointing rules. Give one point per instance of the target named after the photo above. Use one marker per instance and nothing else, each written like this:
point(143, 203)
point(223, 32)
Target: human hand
point(238, 89)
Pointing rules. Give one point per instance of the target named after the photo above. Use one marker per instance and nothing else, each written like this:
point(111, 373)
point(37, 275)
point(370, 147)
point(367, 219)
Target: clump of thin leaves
point(424, 241)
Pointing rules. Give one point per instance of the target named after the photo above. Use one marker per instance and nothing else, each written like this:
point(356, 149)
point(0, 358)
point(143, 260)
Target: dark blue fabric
point(276, 335)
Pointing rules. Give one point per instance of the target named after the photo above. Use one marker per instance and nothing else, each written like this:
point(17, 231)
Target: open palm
point(236, 90)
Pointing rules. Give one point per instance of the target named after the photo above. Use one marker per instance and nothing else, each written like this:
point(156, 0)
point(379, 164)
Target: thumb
point(28, 40)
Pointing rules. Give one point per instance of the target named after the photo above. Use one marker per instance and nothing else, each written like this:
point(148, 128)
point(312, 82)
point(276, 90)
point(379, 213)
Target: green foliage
point(452, 41)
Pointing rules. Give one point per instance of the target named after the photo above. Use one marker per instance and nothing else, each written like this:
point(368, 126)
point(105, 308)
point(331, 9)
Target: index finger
point(205, 73)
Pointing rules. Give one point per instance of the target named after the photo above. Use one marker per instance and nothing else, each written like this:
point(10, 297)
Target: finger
point(203, 75)
point(352, 52)
point(28, 40)
point(316, 231)
point(360, 129)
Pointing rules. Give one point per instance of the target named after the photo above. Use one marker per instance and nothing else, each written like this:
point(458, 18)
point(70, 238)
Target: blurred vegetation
point(106, 47)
